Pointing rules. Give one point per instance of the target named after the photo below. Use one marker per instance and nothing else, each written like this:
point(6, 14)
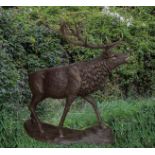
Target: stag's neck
point(93, 75)
point(99, 65)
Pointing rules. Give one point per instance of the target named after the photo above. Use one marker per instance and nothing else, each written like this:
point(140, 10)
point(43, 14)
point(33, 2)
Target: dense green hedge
point(30, 41)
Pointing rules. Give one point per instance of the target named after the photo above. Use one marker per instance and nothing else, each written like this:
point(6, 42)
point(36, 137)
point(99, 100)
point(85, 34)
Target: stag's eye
point(114, 58)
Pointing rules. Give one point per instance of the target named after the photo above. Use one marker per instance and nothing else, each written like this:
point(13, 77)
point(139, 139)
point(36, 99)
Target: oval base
point(92, 135)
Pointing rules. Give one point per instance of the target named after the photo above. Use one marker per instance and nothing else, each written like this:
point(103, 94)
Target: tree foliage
point(30, 40)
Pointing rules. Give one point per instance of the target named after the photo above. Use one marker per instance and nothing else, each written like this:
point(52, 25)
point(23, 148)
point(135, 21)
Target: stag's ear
point(106, 54)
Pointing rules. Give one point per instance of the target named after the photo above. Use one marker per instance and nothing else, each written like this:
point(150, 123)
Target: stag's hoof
point(102, 126)
point(42, 131)
point(34, 122)
point(60, 137)
point(61, 134)
point(43, 134)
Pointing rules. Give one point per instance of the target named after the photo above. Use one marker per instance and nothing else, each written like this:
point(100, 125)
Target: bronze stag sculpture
point(79, 79)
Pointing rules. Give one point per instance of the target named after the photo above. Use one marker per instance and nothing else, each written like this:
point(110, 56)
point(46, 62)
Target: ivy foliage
point(30, 40)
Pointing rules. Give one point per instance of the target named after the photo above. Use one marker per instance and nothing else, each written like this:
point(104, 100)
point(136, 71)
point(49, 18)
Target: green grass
point(132, 121)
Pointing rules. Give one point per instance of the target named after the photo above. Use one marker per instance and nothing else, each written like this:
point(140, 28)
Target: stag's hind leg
point(69, 101)
point(32, 107)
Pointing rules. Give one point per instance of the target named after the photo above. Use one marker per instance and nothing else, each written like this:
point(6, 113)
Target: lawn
point(132, 121)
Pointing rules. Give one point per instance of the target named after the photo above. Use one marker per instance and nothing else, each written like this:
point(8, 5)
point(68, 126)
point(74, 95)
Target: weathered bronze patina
point(69, 82)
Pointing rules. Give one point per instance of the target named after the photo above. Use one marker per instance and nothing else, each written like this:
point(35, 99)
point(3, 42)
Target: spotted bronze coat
point(92, 76)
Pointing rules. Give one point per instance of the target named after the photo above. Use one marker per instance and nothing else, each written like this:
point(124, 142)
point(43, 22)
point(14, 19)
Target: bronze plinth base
point(92, 135)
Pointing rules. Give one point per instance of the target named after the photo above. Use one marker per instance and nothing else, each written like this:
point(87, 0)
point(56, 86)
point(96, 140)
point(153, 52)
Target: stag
point(78, 79)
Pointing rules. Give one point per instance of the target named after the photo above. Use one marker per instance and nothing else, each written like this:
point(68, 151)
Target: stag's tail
point(36, 82)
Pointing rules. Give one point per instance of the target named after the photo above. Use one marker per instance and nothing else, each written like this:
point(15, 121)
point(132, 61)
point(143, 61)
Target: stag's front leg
point(69, 101)
point(94, 105)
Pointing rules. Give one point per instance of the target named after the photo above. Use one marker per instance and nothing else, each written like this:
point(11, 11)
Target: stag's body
point(71, 81)
point(79, 79)
point(75, 80)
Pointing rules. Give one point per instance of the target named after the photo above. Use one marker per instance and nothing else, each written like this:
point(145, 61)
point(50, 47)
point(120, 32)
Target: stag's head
point(115, 59)
point(74, 36)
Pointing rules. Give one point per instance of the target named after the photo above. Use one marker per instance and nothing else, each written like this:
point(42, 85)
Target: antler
point(74, 36)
